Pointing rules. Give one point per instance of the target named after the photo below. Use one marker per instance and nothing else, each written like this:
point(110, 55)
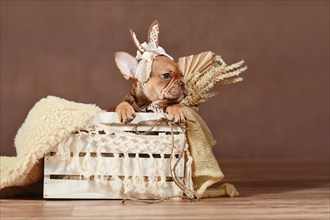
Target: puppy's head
point(165, 85)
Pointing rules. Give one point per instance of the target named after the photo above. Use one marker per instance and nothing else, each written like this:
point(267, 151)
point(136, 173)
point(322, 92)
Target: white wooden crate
point(111, 161)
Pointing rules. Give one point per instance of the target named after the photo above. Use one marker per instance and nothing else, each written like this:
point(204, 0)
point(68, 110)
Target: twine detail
point(190, 193)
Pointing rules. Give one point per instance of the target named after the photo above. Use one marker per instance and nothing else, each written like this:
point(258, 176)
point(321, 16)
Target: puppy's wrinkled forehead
point(162, 65)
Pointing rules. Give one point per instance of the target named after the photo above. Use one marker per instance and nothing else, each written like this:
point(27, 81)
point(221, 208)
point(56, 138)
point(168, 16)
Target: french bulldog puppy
point(164, 88)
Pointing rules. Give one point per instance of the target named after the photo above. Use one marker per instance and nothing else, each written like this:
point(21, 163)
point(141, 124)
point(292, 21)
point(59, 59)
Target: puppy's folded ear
point(127, 64)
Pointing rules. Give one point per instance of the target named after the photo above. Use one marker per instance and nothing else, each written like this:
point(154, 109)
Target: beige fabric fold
point(205, 168)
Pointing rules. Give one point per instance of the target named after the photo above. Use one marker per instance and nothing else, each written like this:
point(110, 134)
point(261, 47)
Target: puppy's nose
point(181, 84)
point(183, 87)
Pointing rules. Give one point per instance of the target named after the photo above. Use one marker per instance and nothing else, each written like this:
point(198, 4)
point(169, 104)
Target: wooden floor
point(270, 189)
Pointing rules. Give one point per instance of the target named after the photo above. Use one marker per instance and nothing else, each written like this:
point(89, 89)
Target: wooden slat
point(111, 119)
point(54, 165)
point(88, 189)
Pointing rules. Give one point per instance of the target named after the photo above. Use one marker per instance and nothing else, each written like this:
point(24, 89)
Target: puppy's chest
point(145, 105)
point(138, 99)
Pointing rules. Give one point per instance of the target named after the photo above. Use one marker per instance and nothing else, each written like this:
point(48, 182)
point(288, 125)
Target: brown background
point(65, 48)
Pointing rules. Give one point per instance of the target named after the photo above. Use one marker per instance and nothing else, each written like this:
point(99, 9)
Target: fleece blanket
point(53, 119)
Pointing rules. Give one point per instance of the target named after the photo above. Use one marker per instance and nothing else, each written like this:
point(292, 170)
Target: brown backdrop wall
point(65, 48)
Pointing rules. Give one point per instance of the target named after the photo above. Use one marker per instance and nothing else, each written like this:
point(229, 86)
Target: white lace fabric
point(130, 174)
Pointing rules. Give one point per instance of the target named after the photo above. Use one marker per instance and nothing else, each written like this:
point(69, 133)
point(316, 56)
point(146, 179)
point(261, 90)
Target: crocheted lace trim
point(122, 145)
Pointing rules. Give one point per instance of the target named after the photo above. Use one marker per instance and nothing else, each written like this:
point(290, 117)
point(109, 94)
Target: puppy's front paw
point(175, 113)
point(126, 112)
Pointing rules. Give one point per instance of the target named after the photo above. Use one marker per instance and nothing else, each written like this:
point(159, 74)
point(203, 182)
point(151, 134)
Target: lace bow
point(147, 52)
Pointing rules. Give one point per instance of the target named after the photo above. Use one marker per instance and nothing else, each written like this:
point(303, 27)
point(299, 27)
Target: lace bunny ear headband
point(147, 52)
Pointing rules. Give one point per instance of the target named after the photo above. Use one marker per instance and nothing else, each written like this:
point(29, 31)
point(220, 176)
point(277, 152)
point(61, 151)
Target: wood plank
point(55, 166)
point(84, 189)
point(112, 119)
point(270, 189)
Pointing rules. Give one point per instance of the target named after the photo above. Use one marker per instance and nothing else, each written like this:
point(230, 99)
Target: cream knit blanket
point(52, 120)
point(48, 123)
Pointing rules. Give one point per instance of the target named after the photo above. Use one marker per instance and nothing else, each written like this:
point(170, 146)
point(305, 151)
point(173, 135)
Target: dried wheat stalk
point(204, 71)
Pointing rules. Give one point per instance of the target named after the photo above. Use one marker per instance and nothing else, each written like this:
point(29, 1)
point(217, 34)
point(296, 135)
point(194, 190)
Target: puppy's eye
point(166, 76)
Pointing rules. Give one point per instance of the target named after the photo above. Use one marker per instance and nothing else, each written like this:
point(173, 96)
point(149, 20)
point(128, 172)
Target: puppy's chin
point(167, 97)
point(163, 103)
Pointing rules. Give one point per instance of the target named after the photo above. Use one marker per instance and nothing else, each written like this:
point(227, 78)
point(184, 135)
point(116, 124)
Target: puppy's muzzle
point(178, 91)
